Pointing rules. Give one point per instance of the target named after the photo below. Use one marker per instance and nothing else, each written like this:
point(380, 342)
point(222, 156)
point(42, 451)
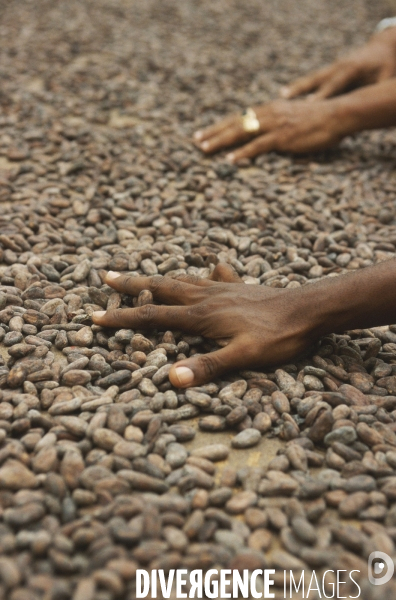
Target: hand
point(263, 325)
point(372, 63)
point(284, 126)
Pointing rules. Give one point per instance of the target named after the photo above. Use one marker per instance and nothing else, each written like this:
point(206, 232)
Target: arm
point(361, 299)
point(371, 107)
point(264, 326)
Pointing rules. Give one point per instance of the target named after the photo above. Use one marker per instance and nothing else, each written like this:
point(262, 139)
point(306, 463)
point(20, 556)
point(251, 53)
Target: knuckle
point(155, 283)
point(125, 281)
point(208, 294)
point(222, 270)
point(196, 313)
point(198, 319)
point(179, 291)
point(192, 279)
point(210, 365)
point(146, 314)
point(176, 287)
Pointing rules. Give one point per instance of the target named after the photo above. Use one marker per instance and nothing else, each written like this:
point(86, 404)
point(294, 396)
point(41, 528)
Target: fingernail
point(198, 135)
point(98, 313)
point(230, 157)
point(205, 145)
point(112, 275)
point(184, 375)
point(285, 92)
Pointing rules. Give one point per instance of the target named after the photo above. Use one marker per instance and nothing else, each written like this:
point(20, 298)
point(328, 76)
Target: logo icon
point(376, 568)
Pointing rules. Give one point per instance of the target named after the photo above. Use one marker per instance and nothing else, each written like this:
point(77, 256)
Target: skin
point(320, 120)
point(372, 63)
point(259, 326)
point(263, 326)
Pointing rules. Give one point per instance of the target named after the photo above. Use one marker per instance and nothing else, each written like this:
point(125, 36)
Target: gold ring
point(250, 122)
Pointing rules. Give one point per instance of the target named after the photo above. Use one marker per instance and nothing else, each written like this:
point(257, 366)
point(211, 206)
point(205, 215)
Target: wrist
point(346, 115)
point(332, 305)
point(310, 311)
point(360, 299)
point(370, 107)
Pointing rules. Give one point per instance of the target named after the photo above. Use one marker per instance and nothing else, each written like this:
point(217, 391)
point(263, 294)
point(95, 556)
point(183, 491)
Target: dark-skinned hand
point(285, 126)
point(261, 324)
point(264, 326)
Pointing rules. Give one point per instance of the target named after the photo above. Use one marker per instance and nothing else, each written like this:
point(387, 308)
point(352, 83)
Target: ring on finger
point(250, 122)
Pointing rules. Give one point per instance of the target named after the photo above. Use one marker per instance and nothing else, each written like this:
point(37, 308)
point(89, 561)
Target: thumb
point(201, 369)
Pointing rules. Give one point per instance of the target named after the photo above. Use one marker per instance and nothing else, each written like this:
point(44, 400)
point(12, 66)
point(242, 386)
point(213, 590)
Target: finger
point(263, 143)
point(335, 85)
point(149, 316)
point(227, 137)
point(305, 84)
point(387, 72)
point(164, 289)
point(198, 370)
point(225, 273)
point(194, 280)
point(204, 134)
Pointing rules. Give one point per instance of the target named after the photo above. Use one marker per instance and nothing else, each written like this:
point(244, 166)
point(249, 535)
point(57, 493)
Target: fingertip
point(97, 316)
point(285, 92)
point(112, 275)
point(181, 376)
point(198, 135)
point(231, 157)
point(205, 146)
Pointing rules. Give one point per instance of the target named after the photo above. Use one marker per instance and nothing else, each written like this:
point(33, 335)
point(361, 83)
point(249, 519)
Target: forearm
point(364, 298)
point(386, 36)
point(370, 107)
